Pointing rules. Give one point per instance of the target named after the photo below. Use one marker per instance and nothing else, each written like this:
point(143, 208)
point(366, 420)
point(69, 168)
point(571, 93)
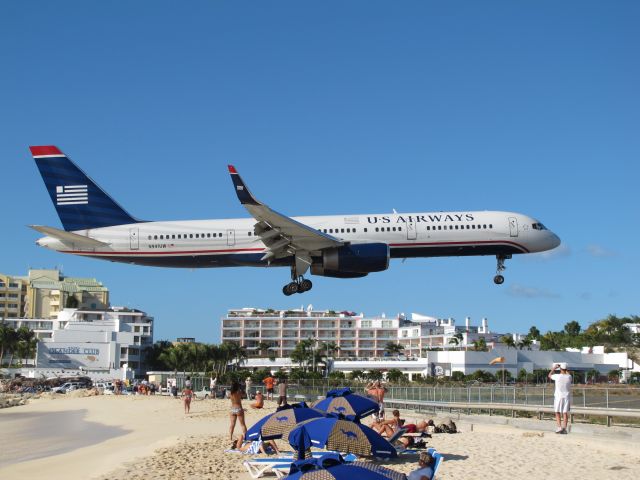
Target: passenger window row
point(340, 230)
point(181, 236)
point(484, 226)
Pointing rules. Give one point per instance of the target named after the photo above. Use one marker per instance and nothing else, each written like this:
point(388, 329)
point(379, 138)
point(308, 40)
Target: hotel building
point(355, 335)
point(44, 293)
point(92, 341)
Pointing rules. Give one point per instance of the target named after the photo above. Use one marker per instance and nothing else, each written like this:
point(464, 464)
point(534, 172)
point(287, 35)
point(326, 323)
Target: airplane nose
point(554, 241)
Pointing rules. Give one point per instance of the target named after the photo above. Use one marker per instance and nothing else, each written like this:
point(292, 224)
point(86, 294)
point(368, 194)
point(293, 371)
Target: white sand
point(151, 437)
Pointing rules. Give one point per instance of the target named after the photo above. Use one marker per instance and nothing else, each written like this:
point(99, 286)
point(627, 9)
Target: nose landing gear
point(499, 279)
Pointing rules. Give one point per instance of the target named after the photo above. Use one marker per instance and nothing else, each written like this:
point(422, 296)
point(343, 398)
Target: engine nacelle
point(352, 261)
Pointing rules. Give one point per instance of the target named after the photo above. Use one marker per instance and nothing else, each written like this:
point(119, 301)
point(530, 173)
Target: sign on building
point(73, 355)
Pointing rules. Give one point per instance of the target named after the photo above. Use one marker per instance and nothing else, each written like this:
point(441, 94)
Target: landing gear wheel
point(499, 279)
point(290, 288)
point(304, 286)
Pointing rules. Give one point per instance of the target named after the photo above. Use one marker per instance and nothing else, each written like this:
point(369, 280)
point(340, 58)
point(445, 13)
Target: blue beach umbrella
point(332, 466)
point(333, 433)
point(343, 401)
point(280, 423)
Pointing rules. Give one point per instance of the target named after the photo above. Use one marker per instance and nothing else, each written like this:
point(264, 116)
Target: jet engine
point(352, 261)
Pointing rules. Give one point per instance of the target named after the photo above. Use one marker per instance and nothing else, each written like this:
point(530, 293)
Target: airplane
point(339, 246)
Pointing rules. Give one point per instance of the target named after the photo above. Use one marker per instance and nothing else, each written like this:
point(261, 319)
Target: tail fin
point(81, 204)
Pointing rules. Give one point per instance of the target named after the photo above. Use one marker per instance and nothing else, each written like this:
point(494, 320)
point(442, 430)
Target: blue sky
point(337, 107)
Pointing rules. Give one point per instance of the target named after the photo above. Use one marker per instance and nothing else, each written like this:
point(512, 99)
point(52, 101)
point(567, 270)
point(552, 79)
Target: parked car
point(205, 393)
point(68, 387)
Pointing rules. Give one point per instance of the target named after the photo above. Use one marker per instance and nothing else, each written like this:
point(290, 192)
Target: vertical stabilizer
point(81, 204)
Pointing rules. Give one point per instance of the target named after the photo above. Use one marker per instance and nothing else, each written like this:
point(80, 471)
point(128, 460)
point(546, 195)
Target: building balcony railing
point(231, 325)
point(270, 324)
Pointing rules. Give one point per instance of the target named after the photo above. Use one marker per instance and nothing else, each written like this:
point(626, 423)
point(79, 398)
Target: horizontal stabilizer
point(68, 238)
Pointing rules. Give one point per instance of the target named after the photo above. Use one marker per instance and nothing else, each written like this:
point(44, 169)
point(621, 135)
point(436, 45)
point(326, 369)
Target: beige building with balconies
point(13, 294)
point(44, 293)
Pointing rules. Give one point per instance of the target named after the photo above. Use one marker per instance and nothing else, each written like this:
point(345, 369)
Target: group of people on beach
point(385, 427)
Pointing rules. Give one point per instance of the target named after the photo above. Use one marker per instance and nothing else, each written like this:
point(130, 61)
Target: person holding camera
point(562, 396)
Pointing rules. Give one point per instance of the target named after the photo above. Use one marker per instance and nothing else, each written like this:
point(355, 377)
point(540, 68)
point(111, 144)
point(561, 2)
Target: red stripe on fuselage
point(181, 252)
point(250, 250)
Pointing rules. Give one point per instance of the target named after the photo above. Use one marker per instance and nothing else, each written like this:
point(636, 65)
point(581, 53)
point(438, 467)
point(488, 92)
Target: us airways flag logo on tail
point(72, 195)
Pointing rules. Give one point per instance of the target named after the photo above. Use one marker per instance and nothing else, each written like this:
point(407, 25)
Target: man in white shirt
point(562, 396)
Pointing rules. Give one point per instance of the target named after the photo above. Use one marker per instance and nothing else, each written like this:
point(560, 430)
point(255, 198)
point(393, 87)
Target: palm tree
point(6, 333)
point(263, 347)
point(525, 343)
point(394, 375)
point(393, 348)
point(480, 345)
point(508, 341)
point(456, 339)
point(534, 333)
point(331, 348)
point(11, 343)
point(26, 343)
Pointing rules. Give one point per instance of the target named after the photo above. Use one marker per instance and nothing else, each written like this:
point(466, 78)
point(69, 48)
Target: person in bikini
point(237, 412)
point(187, 394)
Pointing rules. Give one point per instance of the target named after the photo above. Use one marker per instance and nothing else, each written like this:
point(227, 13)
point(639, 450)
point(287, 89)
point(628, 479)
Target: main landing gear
point(499, 279)
point(298, 284)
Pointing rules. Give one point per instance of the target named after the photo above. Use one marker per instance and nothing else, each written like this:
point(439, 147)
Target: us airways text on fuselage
point(463, 217)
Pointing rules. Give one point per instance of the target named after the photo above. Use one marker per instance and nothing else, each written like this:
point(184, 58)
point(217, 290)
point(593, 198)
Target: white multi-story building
point(355, 335)
point(93, 341)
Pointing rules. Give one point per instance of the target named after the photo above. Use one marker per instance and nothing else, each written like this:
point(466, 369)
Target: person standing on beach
point(187, 394)
point(237, 412)
point(377, 391)
point(282, 391)
point(562, 395)
point(213, 385)
point(247, 387)
point(268, 383)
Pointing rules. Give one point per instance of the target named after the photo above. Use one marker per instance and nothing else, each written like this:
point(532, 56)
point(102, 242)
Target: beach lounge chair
point(282, 471)
point(438, 459)
point(393, 440)
point(280, 465)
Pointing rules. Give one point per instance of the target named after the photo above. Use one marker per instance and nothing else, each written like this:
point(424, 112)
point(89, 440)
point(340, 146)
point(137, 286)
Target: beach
point(136, 437)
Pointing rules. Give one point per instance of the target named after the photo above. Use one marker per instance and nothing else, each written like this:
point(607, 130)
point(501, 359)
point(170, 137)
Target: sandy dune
point(111, 437)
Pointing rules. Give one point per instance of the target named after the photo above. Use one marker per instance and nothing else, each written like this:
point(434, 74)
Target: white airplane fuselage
point(339, 246)
point(232, 242)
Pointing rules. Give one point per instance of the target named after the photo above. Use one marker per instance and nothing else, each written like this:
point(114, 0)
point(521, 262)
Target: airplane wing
point(70, 239)
point(282, 235)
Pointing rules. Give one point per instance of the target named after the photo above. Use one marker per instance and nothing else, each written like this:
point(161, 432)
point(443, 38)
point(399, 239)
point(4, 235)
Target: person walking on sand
point(282, 391)
point(247, 387)
point(562, 396)
point(187, 394)
point(213, 387)
point(237, 412)
point(268, 383)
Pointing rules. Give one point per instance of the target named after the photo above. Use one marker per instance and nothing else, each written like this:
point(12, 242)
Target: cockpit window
point(538, 226)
